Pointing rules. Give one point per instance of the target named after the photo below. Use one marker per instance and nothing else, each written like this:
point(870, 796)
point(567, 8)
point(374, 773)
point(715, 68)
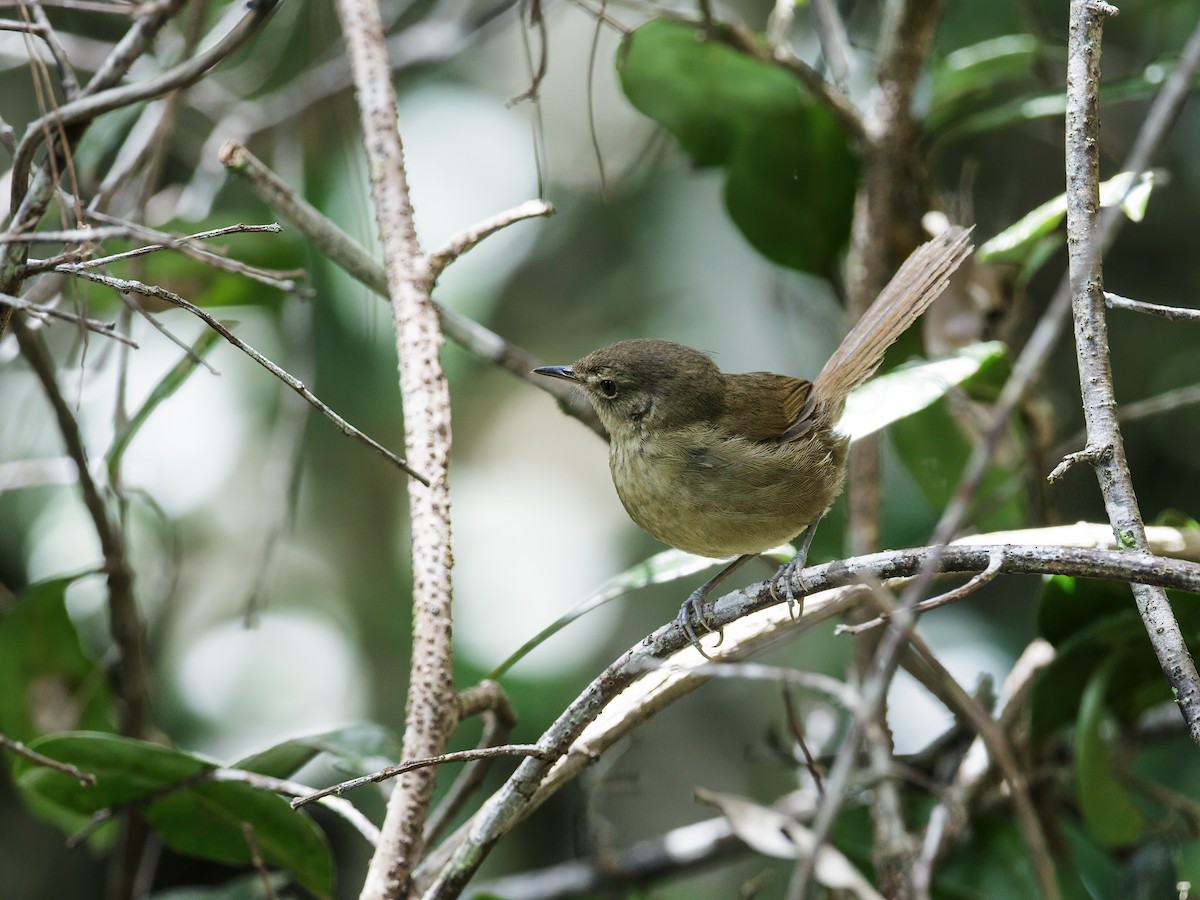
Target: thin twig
point(935, 678)
point(108, 329)
point(1044, 339)
point(97, 6)
point(68, 236)
point(84, 778)
point(953, 596)
point(66, 75)
point(256, 860)
point(88, 107)
point(127, 285)
point(392, 771)
point(488, 700)
point(1173, 313)
point(465, 240)
point(1091, 455)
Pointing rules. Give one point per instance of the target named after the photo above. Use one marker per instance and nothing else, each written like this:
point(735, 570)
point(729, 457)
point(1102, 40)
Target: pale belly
point(728, 498)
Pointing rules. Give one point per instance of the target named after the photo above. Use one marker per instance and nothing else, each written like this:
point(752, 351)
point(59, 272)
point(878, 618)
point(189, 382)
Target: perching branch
point(638, 684)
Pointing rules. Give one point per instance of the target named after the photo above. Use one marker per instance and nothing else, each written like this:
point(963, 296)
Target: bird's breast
point(718, 495)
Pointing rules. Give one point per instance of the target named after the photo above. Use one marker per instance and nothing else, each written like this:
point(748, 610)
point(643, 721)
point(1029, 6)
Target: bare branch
point(107, 329)
point(430, 710)
point(1174, 313)
point(93, 104)
point(1091, 343)
point(392, 771)
point(465, 240)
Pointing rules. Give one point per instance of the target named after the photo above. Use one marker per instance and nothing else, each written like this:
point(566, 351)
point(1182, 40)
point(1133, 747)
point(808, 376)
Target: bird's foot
point(790, 570)
point(691, 614)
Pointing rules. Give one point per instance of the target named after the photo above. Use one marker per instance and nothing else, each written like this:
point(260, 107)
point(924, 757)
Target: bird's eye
point(608, 388)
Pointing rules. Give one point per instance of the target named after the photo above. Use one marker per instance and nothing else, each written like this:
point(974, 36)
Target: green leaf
point(1067, 605)
point(791, 188)
point(930, 438)
point(969, 71)
point(992, 864)
point(1059, 688)
point(47, 681)
point(189, 810)
point(214, 820)
point(1019, 240)
point(707, 95)
point(909, 389)
point(358, 748)
point(246, 887)
point(670, 565)
point(791, 173)
point(1108, 809)
point(1149, 873)
point(1029, 108)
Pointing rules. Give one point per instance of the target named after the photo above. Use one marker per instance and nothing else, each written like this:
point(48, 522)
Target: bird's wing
point(768, 407)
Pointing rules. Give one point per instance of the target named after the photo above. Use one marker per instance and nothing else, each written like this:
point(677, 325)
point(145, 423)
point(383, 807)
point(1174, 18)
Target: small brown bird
point(723, 465)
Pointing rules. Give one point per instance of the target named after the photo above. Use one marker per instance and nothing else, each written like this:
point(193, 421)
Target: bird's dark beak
point(567, 373)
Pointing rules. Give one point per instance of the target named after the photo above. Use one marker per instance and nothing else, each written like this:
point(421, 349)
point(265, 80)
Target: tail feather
point(916, 284)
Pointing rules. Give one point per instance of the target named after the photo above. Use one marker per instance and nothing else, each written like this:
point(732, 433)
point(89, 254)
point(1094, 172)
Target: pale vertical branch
point(431, 704)
point(1106, 449)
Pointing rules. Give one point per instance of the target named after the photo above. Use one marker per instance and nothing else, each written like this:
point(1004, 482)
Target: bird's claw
point(789, 570)
point(692, 612)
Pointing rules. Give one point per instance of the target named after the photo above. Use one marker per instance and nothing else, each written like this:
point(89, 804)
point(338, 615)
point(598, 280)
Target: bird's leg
point(692, 610)
point(790, 568)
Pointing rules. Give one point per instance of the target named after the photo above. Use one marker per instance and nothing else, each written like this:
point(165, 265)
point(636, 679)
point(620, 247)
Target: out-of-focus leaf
point(358, 748)
point(791, 188)
point(1108, 809)
point(979, 67)
point(47, 681)
point(189, 811)
point(1091, 864)
point(670, 565)
point(908, 389)
point(931, 440)
point(776, 834)
point(247, 887)
point(1015, 243)
point(1059, 687)
point(1093, 624)
point(1069, 605)
point(211, 819)
point(167, 385)
point(992, 863)
point(707, 95)
point(791, 173)
point(1040, 106)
